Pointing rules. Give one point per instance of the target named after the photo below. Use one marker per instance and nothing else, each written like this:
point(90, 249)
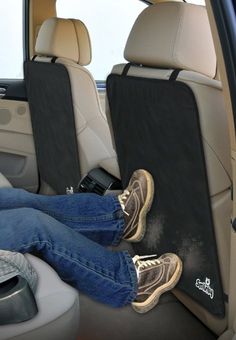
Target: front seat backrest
point(167, 115)
point(71, 133)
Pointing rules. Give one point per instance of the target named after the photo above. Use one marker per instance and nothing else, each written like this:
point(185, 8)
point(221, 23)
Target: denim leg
point(109, 277)
point(99, 218)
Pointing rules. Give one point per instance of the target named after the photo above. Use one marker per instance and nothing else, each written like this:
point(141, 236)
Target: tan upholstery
point(4, 183)
point(65, 38)
point(175, 36)
point(93, 134)
point(150, 41)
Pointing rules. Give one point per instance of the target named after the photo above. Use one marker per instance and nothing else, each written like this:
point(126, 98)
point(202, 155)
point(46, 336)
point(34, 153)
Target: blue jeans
point(71, 233)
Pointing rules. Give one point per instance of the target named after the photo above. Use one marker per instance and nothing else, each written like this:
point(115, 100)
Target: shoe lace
point(122, 199)
point(140, 264)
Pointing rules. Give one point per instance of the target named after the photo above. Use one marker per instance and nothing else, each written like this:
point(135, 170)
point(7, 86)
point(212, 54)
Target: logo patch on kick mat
point(205, 287)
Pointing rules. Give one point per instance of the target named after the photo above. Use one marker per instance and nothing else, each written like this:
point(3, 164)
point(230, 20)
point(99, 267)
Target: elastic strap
point(174, 74)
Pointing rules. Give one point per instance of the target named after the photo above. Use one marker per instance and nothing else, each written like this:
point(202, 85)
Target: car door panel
point(17, 152)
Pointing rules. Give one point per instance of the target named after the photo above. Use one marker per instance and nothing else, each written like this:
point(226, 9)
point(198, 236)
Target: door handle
point(3, 91)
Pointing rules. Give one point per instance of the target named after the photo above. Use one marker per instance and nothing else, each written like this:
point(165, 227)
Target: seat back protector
point(156, 127)
point(53, 122)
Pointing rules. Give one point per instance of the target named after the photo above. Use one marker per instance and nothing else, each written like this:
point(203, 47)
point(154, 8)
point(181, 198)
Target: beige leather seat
point(175, 35)
point(58, 305)
point(68, 40)
point(4, 183)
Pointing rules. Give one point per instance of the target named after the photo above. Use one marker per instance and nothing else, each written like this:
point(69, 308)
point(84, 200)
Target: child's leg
point(99, 218)
point(103, 219)
point(109, 277)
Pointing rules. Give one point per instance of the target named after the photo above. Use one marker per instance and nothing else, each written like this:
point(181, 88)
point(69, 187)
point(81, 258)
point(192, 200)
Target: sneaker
point(155, 277)
point(136, 201)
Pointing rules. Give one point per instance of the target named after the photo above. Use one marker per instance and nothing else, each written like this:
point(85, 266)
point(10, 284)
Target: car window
point(11, 39)
point(197, 2)
point(109, 23)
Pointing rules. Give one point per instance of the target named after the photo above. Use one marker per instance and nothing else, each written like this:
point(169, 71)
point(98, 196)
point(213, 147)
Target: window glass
point(109, 23)
point(197, 2)
point(11, 39)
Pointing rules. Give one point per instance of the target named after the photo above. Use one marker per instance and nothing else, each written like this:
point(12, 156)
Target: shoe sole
point(141, 228)
point(152, 301)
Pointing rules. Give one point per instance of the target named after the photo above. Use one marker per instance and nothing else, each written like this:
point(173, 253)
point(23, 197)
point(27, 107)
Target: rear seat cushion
point(58, 304)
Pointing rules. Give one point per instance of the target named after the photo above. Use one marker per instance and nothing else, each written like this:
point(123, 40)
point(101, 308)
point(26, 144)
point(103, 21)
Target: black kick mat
point(156, 127)
point(53, 122)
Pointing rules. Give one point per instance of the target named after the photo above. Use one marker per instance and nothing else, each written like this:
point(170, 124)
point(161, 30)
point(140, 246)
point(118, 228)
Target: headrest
point(173, 35)
point(64, 38)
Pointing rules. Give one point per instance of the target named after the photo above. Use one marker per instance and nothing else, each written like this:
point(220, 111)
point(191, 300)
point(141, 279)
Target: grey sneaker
point(136, 201)
point(155, 276)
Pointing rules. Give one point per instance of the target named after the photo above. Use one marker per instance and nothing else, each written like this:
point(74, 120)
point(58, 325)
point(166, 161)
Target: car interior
point(168, 109)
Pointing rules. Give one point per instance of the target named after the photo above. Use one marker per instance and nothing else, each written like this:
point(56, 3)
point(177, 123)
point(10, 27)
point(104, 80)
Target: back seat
point(58, 305)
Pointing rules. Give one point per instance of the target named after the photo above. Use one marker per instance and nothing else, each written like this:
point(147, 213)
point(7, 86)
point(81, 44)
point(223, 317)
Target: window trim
point(26, 54)
point(147, 2)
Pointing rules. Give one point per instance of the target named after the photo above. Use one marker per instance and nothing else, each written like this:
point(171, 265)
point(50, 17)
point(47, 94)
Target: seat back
point(71, 133)
point(166, 113)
